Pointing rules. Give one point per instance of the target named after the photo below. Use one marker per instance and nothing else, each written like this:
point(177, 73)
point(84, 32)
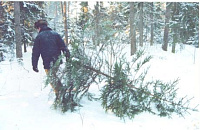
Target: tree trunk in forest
point(152, 22)
point(141, 24)
point(61, 5)
point(68, 11)
point(166, 30)
point(132, 29)
point(24, 42)
point(17, 29)
point(65, 22)
point(175, 27)
point(1, 20)
point(56, 13)
point(97, 42)
point(25, 48)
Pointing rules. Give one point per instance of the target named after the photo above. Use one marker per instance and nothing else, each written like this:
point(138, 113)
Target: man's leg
point(56, 83)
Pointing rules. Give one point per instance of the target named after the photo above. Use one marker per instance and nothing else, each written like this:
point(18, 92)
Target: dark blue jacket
point(48, 44)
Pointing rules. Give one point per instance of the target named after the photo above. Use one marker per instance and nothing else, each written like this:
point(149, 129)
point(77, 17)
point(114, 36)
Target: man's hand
point(35, 69)
point(67, 55)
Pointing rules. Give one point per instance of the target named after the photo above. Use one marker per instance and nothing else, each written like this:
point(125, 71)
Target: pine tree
point(189, 22)
point(158, 22)
point(7, 25)
point(30, 12)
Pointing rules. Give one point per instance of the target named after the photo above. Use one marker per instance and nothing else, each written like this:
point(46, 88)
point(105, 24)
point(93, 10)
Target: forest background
point(138, 23)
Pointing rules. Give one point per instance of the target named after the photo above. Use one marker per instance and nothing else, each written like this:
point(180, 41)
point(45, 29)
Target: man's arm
point(63, 47)
point(35, 54)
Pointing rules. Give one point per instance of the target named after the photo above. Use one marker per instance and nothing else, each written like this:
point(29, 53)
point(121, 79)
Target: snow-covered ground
point(26, 105)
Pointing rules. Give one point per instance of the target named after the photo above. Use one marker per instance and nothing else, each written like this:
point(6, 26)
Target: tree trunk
point(141, 23)
point(1, 20)
point(175, 27)
point(25, 48)
point(97, 42)
point(61, 5)
point(24, 42)
point(17, 29)
point(132, 29)
point(68, 5)
point(152, 22)
point(56, 15)
point(166, 30)
point(65, 21)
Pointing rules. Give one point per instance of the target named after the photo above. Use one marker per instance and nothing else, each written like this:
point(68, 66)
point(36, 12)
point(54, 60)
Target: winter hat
point(40, 23)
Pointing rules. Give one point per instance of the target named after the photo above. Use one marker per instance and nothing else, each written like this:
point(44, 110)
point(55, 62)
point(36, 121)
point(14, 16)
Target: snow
point(25, 104)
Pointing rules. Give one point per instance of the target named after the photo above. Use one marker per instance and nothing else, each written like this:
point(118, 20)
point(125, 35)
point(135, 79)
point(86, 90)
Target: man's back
point(49, 44)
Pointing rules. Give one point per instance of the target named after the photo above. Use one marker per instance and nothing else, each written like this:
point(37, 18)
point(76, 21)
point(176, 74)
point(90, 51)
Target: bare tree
point(132, 28)
point(17, 29)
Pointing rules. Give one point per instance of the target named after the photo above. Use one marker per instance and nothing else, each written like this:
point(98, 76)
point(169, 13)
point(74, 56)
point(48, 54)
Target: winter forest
point(132, 65)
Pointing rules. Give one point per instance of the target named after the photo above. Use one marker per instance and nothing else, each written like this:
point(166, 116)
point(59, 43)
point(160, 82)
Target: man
point(49, 45)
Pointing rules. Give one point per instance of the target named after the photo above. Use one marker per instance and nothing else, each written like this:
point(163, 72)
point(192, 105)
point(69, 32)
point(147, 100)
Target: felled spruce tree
point(73, 78)
point(126, 93)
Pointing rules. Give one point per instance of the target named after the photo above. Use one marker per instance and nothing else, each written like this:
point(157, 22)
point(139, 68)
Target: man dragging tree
point(49, 45)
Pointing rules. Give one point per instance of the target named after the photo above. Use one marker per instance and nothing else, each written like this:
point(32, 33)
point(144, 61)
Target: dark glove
point(67, 55)
point(35, 69)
